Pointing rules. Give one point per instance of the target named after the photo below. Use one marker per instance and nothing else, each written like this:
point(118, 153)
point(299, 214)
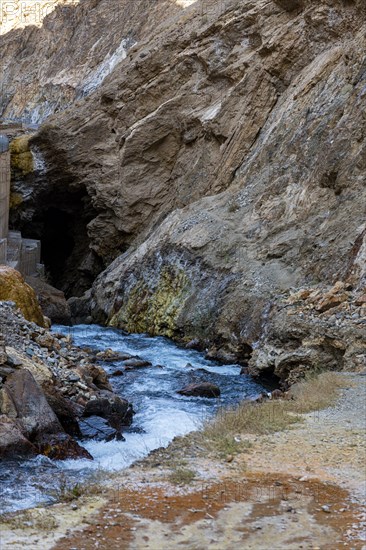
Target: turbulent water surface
point(161, 414)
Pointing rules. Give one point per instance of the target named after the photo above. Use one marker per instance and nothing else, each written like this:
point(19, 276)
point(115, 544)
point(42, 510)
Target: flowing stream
point(161, 413)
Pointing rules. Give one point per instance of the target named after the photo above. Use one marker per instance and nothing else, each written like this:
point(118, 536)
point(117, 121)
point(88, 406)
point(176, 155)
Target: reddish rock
point(61, 447)
point(331, 301)
point(361, 300)
point(95, 375)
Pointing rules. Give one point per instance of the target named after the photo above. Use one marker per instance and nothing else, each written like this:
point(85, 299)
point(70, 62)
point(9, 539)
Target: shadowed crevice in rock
point(60, 222)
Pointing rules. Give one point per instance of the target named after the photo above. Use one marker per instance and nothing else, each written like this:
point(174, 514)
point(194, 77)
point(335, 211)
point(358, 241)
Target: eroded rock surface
point(313, 330)
point(219, 165)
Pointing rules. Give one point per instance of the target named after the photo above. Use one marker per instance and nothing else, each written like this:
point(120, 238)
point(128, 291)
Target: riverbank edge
point(73, 518)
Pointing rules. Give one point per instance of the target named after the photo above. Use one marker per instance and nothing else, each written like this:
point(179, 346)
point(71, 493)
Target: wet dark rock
point(23, 398)
point(66, 411)
point(221, 355)
point(194, 344)
point(96, 427)
point(117, 372)
point(61, 447)
point(116, 410)
point(203, 389)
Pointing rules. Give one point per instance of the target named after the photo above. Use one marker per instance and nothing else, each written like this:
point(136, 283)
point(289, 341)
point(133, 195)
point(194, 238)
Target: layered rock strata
point(221, 164)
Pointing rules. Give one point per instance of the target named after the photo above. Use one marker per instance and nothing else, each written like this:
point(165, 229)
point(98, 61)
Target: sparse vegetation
point(317, 391)
point(258, 418)
point(67, 492)
point(35, 519)
point(182, 476)
point(224, 444)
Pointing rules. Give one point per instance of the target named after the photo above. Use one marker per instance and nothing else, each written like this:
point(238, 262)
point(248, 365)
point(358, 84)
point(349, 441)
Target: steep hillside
point(221, 164)
point(47, 67)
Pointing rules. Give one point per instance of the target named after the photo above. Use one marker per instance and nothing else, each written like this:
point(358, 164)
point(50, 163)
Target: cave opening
point(58, 243)
point(60, 222)
point(70, 263)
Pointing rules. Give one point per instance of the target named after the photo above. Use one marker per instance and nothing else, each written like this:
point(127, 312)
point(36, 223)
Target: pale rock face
point(56, 52)
point(18, 14)
point(185, 3)
point(224, 157)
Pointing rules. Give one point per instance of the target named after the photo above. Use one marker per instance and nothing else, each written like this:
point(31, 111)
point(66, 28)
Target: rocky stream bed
point(98, 399)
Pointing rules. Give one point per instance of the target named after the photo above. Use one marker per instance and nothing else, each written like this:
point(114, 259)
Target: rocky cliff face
point(222, 162)
point(57, 52)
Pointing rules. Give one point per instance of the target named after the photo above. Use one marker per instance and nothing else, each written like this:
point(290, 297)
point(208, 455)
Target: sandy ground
point(303, 488)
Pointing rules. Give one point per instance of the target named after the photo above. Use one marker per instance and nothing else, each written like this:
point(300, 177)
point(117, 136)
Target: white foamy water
point(161, 413)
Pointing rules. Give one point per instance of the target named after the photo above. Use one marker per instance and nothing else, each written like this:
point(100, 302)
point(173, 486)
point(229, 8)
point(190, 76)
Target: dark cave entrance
point(70, 263)
point(60, 223)
point(58, 243)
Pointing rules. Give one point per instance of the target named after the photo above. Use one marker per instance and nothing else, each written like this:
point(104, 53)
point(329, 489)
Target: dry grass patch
point(182, 476)
point(224, 444)
point(248, 417)
point(316, 392)
point(31, 519)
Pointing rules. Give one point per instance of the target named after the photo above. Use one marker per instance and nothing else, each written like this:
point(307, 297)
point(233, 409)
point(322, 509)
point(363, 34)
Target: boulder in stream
point(95, 427)
point(117, 411)
point(202, 389)
point(136, 363)
point(29, 426)
point(22, 398)
point(61, 446)
point(109, 355)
